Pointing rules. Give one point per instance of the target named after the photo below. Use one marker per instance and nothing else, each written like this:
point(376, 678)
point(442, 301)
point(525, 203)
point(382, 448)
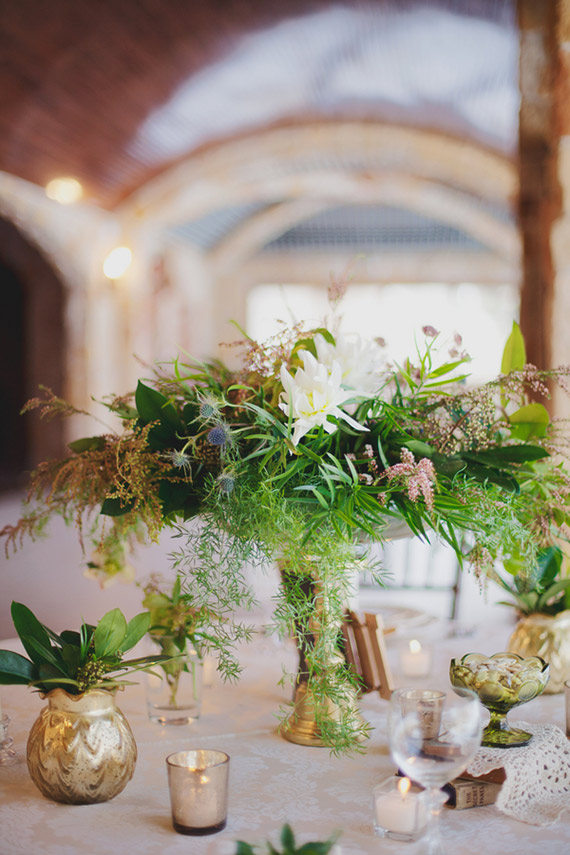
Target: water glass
point(198, 784)
point(433, 737)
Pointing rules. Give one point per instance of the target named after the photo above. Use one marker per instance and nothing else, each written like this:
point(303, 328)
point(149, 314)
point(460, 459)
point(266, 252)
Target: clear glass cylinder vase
point(174, 689)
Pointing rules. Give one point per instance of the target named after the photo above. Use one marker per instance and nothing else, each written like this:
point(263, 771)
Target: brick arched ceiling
point(115, 91)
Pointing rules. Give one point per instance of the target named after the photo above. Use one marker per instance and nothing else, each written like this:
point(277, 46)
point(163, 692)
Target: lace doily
point(537, 784)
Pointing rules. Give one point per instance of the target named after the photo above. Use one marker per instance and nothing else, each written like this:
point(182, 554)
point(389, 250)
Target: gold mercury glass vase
point(547, 636)
point(81, 749)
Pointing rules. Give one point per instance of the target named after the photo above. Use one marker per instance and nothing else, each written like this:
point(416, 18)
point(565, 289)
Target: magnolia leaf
point(528, 421)
point(29, 628)
point(71, 655)
point(109, 633)
point(514, 354)
point(549, 564)
point(15, 669)
point(153, 406)
point(136, 628)
point(243, 848)
point(70, 636)
point(41, 655)
point(506, 455)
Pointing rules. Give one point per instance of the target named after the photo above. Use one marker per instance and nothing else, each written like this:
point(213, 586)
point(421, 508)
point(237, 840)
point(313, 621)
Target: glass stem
point(498, 721)
point(432, 841)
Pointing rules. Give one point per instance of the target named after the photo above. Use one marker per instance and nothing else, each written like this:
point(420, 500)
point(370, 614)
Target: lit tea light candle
point(399, 811)
point(198, 783)
point(415, 660)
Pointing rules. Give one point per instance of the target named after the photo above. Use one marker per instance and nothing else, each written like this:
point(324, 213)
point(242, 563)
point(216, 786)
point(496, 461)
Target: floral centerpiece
point(313, 442)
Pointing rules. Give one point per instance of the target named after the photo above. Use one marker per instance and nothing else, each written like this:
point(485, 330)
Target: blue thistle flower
point(180, 460)
point(219, 435)
point(208, 408)
point(226, 483)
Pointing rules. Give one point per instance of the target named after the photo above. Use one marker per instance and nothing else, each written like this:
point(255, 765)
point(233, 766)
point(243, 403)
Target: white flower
point(107, 571)
point(312, 395)
point(361, 360)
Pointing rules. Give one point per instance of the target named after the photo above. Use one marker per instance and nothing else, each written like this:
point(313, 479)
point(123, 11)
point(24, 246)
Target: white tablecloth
point(271, 780)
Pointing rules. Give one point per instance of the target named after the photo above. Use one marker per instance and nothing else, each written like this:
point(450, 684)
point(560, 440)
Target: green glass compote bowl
point(502, 681)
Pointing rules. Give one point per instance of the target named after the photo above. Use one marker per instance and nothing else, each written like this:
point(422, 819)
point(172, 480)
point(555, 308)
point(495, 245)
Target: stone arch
point(314, 158)
point(289, 173)
point(32, 352)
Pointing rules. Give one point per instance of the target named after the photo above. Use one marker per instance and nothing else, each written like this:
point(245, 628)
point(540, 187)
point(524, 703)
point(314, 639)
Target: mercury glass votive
point(427, 705)
point(198, 784)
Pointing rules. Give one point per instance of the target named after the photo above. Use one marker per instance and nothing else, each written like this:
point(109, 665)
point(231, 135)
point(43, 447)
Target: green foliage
point(514, 354)
point(288, 844)
point(75, 661)
point(229, 447)
point(546, 591)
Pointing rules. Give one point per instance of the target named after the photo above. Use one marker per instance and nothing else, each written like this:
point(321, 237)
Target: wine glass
point(433, 737)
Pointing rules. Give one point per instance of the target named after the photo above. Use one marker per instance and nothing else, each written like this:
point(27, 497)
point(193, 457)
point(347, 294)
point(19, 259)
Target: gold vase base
point(301, 727)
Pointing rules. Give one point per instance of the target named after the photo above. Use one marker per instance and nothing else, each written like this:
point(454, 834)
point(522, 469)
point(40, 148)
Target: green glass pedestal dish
point(502, 681)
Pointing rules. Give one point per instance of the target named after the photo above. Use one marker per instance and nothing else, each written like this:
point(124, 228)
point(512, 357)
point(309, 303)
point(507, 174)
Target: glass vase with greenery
point(176, 629)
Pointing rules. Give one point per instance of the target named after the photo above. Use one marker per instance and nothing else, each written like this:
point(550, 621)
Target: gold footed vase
point(302, 725)
point(547, 636)
point(81, 749)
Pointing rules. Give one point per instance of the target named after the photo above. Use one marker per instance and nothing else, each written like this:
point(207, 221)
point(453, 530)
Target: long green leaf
point(514, 354)
point(15, 669)
point(27, 625)
point(42, 655)
point(109, 633)
point(136, 629)
point(153, 406)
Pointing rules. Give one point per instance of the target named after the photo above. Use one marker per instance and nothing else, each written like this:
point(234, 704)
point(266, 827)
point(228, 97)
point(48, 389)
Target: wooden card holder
point(365, 651)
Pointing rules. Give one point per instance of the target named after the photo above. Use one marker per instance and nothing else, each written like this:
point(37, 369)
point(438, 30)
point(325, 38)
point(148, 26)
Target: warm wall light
point(117, 262)
point(66, 191)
